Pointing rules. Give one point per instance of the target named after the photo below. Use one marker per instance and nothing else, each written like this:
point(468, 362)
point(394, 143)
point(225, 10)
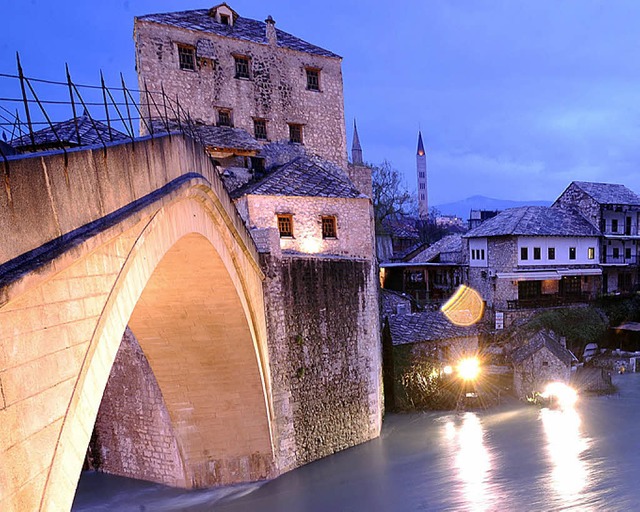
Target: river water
point(514, 457)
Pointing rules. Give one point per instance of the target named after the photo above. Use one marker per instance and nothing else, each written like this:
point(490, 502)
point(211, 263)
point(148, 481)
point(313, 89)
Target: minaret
point(421, 165)
point(356, 150)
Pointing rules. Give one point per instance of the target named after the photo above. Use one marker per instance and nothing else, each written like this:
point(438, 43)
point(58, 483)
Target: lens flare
point(465, 307)
point(565, 396)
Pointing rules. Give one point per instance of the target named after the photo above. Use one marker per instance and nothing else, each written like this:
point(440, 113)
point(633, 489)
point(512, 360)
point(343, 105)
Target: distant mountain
point(461, 208)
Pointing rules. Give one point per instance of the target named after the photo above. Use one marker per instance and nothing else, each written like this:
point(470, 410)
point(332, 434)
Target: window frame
point(225, 112)
point(281, 220)
point(614, 225)
point(332, 233)
point(256, 121)
point(242, 67)
point(185, 50)
point(573, 253)
point(591, 253)
point(300, 138)
point(537, 253)
point(313, 79)
point(524, 254)
point(551, 253)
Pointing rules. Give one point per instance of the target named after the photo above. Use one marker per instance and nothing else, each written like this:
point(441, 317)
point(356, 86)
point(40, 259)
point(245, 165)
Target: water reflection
point(565, 444)
point(472, 460)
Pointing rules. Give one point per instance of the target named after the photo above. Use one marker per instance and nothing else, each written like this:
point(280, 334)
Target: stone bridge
point(143, 235)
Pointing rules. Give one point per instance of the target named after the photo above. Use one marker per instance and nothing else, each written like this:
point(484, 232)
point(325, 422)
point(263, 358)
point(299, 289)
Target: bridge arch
point(192, 295)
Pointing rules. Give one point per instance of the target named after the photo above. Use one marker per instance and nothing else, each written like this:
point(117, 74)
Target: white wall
point(478, 247)
point(561, 245)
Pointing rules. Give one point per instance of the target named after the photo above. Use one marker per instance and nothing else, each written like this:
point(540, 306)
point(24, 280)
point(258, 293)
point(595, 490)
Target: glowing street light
point(469, 368)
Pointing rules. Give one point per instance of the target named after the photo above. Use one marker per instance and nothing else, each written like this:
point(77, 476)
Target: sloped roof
point(90, 131)
point(535, 221)
point(306, 175)
point(608, 193)
point(448, 244)
point(538, 341)
point(243, 28)
point(228, 138)
point(426, 326)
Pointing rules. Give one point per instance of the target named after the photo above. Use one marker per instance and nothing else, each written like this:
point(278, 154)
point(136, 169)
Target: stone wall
point(276, 91)
point(325, 352)
point(575, 199)
point(353, 216)
point(533, 374)
point(133, 436)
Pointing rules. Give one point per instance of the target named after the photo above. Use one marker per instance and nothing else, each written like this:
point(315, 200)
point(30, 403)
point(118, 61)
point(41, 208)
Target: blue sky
point(514, 99)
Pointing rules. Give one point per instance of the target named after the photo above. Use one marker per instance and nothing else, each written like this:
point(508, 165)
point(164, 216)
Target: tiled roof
point(303, 176)
point(243, 28)
point(91, 132)
point(227, 138)
point(608, 193)
point(449, 245)
point(426, 326)
point(399, 226)
point(539, 340)
point(535, 221)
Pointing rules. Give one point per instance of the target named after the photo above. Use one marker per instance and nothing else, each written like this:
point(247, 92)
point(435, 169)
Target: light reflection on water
point(472, 459)
point(515, 457)
point(565, 445)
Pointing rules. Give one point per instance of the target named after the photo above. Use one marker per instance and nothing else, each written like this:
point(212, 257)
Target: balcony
point(549, 300)
point(619, 260)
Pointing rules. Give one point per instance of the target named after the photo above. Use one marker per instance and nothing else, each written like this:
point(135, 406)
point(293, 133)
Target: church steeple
point(356, 150)
point(421, 169)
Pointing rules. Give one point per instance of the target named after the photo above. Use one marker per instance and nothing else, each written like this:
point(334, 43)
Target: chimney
point(272, 39)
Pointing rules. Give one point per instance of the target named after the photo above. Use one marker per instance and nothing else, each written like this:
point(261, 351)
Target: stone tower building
point(423, 191)
point(238, 72)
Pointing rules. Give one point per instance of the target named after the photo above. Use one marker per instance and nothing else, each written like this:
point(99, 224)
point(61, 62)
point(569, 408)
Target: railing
point(621, 260)
point(114, 113)
point(549, 300)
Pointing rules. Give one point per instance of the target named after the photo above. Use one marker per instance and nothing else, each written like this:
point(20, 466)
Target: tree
point(390, 196)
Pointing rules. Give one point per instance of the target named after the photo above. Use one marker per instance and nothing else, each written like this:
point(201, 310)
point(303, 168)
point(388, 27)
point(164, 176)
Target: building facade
point(615, 211)
point(231, 71)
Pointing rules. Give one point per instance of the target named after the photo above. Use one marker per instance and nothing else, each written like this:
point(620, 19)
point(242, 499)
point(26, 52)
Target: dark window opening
point(187, 57)
point(545, 363)
point(313, 79)
point(572, 253)
point(529, 289)
point(285, 226)
point(481, 254)
point(627, 227)
point(536, 253)
point(295, 133)
point(224, 118)
point(260, 129)
point(224, 19)
point(627, 253)
point(524, 253)
point(329, 226)
point(242, 67)
point(614, 225)
point(616, 252)
point(551, 253)
point(257, 164)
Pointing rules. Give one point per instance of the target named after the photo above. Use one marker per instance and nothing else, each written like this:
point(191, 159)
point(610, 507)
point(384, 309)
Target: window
point(224, 19)
point(473, 254)
point(481, 254)
point(260, 129)
point(545, 363)
point(627, 253)
point(551, 253)
point(536, 253)
point(295, 133)
point(616, 252)
point(572, 253)
point(224, 118)
point(285, 226)
point(614, 225)
point(242, 67)
point(627, 226)
point(421, 186)
point(313, 79)
point(421, 174)
point(591, 253)
point(329, 226)
point(422, 197)
point(257, 163)
point(187, 57)
point(524, 253)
